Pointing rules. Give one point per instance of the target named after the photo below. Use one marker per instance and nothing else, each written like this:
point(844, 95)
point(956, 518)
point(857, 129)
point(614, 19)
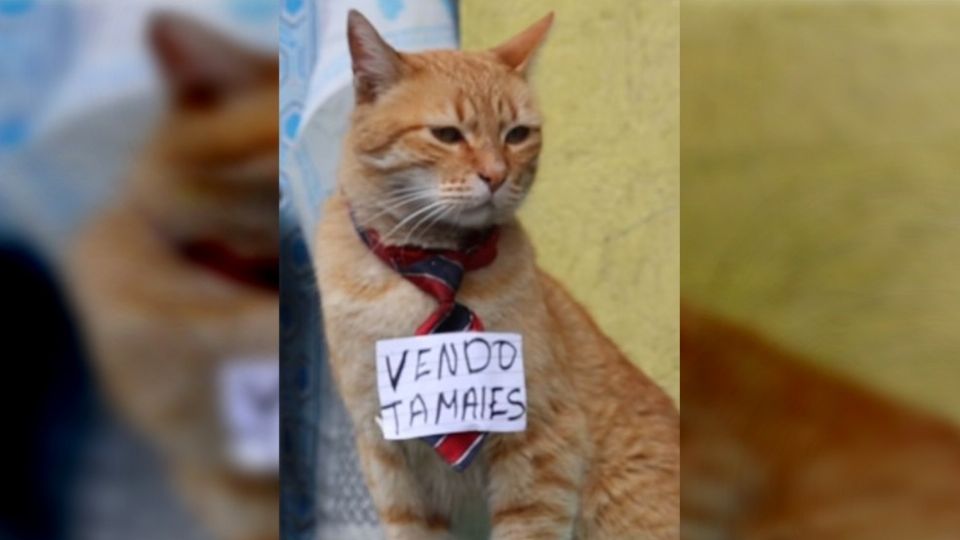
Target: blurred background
point(820, 205)
point(84, 93)
point(820, 199)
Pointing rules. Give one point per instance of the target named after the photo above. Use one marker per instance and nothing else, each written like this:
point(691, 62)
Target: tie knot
point(437, 272)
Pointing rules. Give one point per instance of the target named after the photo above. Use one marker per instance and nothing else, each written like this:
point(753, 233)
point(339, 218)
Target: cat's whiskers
point(430, 219)
point(428, 208)
point(408, 189)
point(396, 202)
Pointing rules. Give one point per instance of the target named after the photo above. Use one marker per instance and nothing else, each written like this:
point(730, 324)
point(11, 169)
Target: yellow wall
point(604, 212)
point(821, 195)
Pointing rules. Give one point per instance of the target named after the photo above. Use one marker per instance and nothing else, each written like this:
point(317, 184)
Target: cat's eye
point(447, 134)
point(517, 135)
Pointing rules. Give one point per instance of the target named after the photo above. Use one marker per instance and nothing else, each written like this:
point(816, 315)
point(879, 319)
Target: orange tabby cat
point(774, 449)
point(444, 144)
point(180, 273)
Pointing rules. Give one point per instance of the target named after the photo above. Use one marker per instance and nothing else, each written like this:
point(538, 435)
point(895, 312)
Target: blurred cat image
point(774, 448)
point(178, 277)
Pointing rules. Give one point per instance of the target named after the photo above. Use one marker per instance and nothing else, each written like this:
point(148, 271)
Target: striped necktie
point(439, 273)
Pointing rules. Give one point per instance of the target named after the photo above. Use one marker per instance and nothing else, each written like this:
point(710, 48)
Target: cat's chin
point(479, 217)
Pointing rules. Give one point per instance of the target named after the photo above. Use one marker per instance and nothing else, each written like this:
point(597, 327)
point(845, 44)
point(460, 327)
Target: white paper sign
point(450, 383)
point(250, 407)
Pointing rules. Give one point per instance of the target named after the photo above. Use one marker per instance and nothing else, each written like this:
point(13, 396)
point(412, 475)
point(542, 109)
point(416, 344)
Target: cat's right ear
point(376, 65)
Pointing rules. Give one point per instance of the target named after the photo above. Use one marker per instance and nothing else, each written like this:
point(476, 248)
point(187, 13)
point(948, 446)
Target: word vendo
point(449, 383)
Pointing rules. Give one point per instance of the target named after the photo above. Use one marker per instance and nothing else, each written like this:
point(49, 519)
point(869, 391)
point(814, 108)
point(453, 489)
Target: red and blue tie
point(439, 273)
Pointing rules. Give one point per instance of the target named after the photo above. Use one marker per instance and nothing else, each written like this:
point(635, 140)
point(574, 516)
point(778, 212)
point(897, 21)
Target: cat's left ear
point(519, 51)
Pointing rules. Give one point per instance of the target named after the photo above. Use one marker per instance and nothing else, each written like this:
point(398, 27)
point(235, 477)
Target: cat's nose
point(493, 180)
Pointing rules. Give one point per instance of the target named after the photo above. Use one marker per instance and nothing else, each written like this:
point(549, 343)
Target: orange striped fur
point(599, 459)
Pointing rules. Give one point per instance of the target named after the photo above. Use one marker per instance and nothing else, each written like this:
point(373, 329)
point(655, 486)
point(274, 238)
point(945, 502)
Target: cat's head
point(210, 170)
point(441, 138)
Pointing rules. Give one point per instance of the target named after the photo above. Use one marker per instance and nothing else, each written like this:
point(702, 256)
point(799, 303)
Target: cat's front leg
point(534, 485)
point(404, 509)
